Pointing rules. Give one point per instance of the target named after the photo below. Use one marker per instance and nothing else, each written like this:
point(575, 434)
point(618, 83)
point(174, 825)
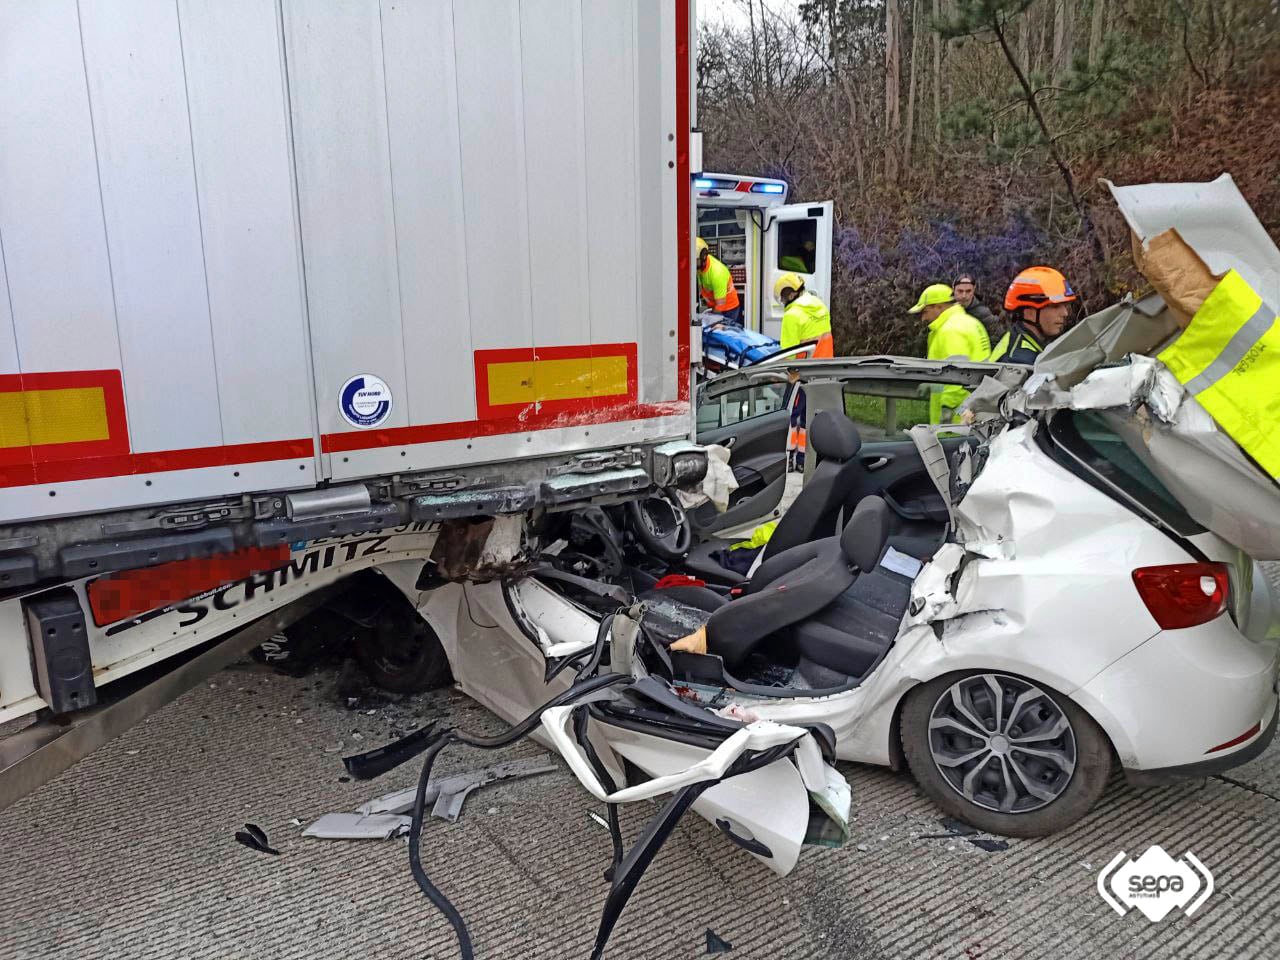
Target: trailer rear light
point(1184, 594)
point(768, 188)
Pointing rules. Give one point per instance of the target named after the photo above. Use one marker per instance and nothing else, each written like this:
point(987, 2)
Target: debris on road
point(954, 828)
point(449, 794)
point(989, 845)
point(253, 837)
point(357, 826)
point(717, 944)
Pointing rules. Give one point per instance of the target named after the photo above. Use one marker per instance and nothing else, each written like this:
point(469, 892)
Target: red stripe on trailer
point(120, 596)
point(161, 461)
point(684, 190)
point(471, 429)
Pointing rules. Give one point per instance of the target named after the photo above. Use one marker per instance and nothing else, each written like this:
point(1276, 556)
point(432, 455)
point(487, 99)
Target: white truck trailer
point(287, 285)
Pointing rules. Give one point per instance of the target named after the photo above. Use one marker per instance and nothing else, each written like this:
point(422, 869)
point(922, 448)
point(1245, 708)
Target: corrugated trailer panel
point(551, 53)
point(430, 216)
point(55, 248)
point(225, 222)
point(146, 169)
point(8, 339)
point(609, 111)
point(244, 182)
point(337, 93)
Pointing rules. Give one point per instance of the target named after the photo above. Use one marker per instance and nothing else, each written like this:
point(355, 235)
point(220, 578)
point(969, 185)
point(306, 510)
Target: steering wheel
point(661, 526)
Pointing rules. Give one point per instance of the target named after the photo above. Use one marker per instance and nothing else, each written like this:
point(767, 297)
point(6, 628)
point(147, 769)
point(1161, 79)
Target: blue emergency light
point(768, 187)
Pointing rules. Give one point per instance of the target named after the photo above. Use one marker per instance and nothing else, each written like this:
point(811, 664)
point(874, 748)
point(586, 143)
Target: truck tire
point(1045, 791)
point(401, 653)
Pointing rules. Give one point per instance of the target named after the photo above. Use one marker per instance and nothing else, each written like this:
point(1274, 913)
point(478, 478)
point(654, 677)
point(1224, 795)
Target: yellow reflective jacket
point(716, 285)
point(805, 318)
point(1229, 360)
point(954, 333)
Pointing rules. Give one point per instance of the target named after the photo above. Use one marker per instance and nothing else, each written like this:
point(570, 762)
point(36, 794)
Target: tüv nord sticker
point(1155, 883)
point(365, 401)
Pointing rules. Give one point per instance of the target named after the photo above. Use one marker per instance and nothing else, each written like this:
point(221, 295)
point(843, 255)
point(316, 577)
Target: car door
point(752, 422)
point(884, 410)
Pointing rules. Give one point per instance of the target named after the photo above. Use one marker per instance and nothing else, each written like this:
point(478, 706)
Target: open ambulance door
point(797, 239)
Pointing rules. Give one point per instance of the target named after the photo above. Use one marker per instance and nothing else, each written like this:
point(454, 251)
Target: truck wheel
point(1003, 753)
point(401, 653)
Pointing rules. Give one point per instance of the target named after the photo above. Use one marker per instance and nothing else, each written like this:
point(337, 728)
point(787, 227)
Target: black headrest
point(866, 533)
point(834, 436)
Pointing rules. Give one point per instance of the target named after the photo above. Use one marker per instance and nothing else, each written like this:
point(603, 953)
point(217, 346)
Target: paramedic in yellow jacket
point(804, 317)
point(952, 333)
point(715, 284)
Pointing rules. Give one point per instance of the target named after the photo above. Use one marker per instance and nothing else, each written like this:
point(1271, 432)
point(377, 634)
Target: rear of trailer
point(276, 274)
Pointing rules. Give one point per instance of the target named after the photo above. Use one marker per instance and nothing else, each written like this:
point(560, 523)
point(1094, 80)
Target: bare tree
point(911, 85)
point(1097, 24)
point(892, 84)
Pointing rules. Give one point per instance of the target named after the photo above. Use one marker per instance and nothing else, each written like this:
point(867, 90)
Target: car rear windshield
point(1103, 451)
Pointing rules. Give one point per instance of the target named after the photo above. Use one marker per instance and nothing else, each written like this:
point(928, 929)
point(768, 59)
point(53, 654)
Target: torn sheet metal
point(758, 736)
point(1215, 220)
point(931, 593)
point(358, 826)
point(449, 793)
point(1107, 336)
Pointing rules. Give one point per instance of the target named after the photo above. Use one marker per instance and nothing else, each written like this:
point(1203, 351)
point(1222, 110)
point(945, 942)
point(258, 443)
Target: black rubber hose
point(431, 891)
point(510, 736)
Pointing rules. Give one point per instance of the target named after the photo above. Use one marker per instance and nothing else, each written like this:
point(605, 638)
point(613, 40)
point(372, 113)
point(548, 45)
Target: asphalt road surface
point(131, 854)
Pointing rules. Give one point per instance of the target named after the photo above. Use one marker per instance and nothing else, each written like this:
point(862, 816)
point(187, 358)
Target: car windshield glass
point(1089, 437)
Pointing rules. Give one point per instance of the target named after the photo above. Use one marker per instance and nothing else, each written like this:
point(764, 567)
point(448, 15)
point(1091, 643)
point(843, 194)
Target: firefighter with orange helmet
point(1040, 300)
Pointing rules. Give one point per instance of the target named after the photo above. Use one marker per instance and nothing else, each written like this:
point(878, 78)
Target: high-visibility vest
point(1016, 346)
point(953, 333)
point(716, 286)
point(807, 318)
point(1229, 360)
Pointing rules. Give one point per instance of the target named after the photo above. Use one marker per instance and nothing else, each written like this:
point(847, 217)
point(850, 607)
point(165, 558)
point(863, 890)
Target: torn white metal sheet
point(1214, 219)
point(1105, 337)
point(357, 826)
point(448, 793)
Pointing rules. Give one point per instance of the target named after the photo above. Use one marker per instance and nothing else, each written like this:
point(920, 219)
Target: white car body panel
point(1182, 693)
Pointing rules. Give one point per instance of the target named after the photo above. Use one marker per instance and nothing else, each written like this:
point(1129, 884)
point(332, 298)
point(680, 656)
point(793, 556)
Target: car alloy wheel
point(1002, 743)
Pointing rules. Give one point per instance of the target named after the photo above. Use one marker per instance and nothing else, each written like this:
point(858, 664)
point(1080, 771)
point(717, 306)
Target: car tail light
point(1184, 594)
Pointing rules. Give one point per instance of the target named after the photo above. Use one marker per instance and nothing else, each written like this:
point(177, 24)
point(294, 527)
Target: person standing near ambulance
point(804, 317)
point(715, 284)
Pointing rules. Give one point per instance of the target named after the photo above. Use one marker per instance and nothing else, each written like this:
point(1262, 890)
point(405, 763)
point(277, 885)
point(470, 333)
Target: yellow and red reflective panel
point(554, 380)
point(70, 415)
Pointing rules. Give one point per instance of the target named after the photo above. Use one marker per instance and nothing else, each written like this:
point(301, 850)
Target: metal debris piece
point(989, 845)
point(716, 944)
point(954, 828)
point(598, 819)
point(355, 826)
point(253, 837)
point(449, 793)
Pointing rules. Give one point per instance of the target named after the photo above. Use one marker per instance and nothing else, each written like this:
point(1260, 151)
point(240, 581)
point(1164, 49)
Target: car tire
point(1051, 790)
point(401, 652)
